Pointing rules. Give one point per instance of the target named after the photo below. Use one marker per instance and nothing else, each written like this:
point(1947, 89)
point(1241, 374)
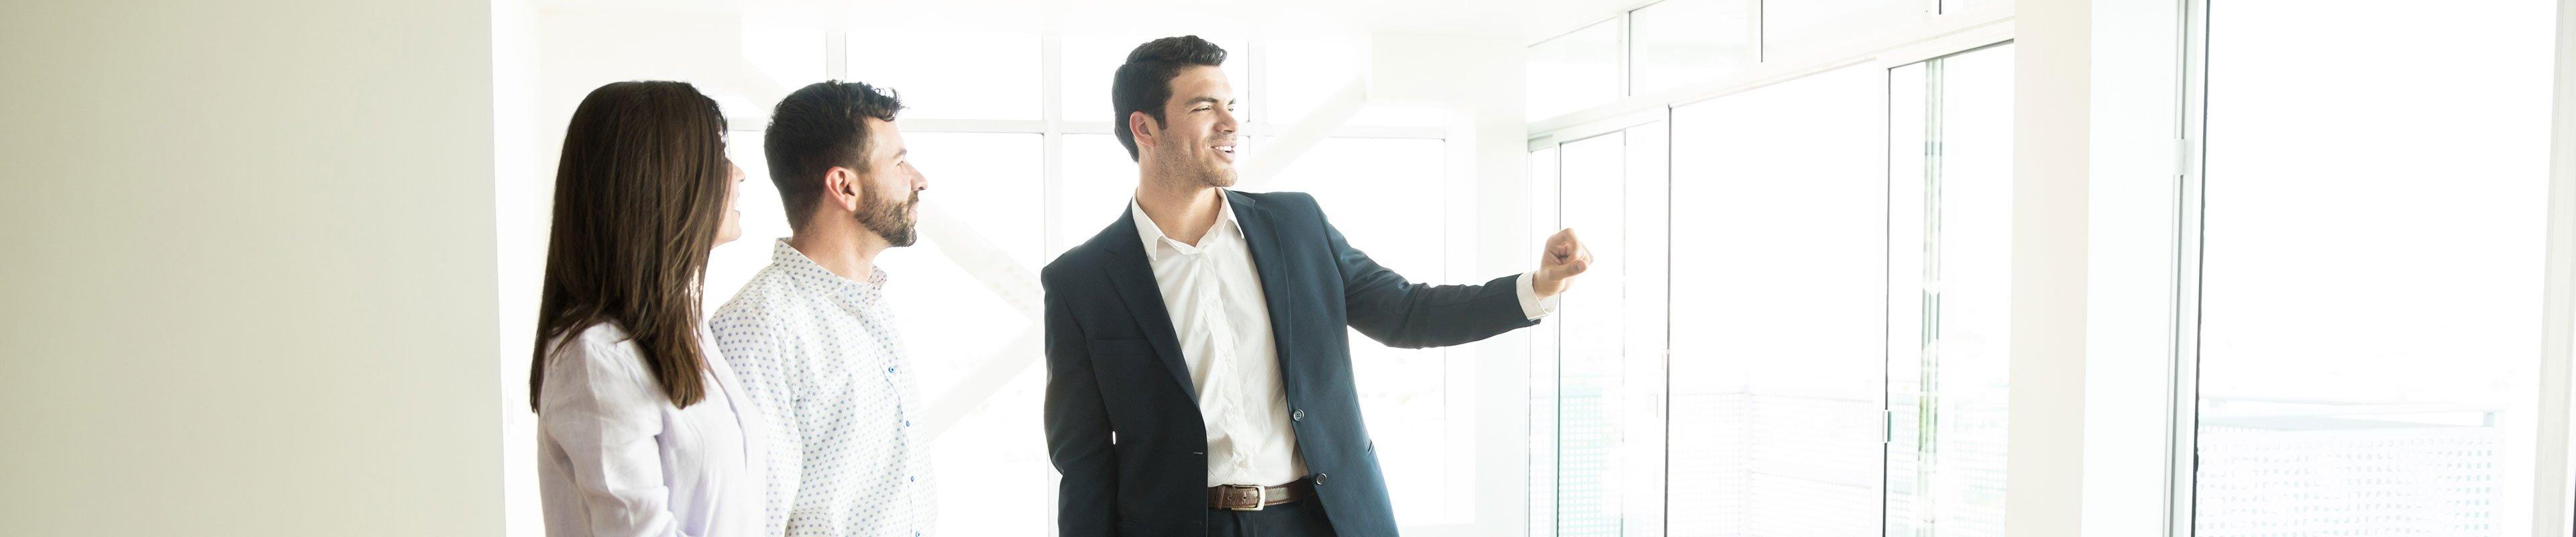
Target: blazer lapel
point(1132, 279)
point(1263, 238)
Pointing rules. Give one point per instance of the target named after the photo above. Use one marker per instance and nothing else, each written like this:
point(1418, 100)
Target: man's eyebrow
point(1201, 99)
point(899, 153)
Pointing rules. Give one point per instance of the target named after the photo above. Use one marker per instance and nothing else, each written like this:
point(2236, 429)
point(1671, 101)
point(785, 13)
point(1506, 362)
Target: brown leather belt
point(1253, 498)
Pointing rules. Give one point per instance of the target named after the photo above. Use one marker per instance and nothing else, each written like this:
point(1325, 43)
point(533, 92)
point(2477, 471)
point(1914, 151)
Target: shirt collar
point(787, 256)
point(1152, 236)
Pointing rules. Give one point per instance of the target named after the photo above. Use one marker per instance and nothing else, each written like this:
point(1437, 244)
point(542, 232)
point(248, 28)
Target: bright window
point(1098, 181)
point(1950, 253)
point(1776, 366)
point(2371, 266)
point(1808, 28)
point(1675, 42)
point(763, 221)
point(1574, 71)
point(1590, 369)
point(952, 75)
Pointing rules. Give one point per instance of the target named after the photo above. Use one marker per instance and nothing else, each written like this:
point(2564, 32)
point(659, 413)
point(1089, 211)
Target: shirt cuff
point(1533, 307)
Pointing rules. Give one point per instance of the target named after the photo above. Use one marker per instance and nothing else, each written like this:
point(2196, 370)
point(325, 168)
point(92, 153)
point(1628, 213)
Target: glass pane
point(1683, 41)
point(1641, 265)
point(990, 184)
point(999, 443)
point(1573, 71)
point(1909, 245)
point(1599, 451)
point(1301, 75)
point(1374, 190)
point(951, 75)
point(1949, 293)
point(789, 57)
point(1591, 353)
point(1776, 367)
point(989, 181)
point(1091, 62)
point(763, 221)
point(1096, 184)
point(2371, 271)
point(1798, 29)
point(952, 322)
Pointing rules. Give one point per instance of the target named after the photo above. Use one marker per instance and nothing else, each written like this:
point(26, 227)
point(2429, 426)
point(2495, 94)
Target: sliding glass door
point(1778, 253)
point(1796, 323)
point(1949, 275)
point(1604, 461)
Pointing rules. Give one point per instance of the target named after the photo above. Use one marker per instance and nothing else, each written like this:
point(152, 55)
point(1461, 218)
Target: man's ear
point(1138, 124)
point(841, 188)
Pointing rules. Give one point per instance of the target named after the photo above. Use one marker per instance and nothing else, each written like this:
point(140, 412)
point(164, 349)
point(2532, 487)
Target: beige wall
point(247, 269)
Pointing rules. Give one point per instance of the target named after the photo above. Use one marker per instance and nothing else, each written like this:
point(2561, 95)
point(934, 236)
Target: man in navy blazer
point(1198, 376)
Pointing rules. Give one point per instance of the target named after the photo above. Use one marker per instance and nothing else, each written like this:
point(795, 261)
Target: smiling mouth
point(1224, 150)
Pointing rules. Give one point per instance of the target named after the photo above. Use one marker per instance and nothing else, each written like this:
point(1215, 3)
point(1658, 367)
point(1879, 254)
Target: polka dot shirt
point(818, 352)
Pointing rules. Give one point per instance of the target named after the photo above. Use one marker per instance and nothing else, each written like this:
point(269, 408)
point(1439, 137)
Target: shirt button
point(907, 423)
point(1299, 415)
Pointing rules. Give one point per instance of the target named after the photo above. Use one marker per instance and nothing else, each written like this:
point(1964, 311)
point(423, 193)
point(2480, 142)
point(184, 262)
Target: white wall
point(249, 269)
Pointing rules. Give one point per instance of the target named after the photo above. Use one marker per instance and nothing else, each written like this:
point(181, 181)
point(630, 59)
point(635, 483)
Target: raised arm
point(1400, 313)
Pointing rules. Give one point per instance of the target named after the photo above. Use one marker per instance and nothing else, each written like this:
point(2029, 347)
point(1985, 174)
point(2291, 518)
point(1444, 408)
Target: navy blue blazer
point(1114, 366)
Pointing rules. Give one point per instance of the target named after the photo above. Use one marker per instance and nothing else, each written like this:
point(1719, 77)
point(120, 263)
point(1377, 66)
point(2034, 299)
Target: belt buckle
point(1260, 497)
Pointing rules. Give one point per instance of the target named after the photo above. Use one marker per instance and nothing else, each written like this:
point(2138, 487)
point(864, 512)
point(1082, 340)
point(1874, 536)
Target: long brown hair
point(639, 198)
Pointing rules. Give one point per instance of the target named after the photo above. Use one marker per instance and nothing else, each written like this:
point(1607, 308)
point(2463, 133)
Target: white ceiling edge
point(1530, 20)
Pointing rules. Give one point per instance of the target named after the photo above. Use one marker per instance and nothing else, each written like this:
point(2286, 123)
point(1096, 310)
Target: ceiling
point(1525, 19)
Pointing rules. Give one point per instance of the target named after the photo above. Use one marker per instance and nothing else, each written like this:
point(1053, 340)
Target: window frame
point(1940, 35)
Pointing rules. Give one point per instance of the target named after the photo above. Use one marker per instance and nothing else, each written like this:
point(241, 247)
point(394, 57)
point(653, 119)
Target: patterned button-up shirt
point(819, 353)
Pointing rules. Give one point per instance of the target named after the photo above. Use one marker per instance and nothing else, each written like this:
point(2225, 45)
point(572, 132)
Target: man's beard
point(1195, 170)
point(888, 219)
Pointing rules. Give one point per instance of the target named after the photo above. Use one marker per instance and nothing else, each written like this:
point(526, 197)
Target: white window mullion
point(2551, 498)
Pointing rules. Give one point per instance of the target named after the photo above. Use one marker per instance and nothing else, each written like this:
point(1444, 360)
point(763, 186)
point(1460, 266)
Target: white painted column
point(2551, 498)
point(2052, 118)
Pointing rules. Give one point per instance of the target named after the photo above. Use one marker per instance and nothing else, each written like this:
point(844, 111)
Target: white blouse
point(615, 457)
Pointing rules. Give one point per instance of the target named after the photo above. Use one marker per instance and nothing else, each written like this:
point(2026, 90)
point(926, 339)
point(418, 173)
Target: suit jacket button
point(1319, 480)
point(1299, 415)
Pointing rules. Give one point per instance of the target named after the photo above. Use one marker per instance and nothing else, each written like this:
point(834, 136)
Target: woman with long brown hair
point(642, 429)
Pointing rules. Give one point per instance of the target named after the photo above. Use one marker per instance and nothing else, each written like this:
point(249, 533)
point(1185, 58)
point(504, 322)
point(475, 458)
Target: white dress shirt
point(820, 353)
point(615, 457)
point(1213, 292)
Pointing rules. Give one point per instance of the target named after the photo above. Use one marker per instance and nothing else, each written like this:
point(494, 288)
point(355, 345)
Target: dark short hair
point(820, 126)
point(1145, 81)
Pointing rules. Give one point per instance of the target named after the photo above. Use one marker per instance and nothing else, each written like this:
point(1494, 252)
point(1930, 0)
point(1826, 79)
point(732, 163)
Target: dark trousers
point(1302, 518)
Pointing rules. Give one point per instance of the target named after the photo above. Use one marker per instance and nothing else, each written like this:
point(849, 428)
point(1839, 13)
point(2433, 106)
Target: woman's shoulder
point(601, 345)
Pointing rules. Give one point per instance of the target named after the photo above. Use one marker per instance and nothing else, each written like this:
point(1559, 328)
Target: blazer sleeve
point(1395, 311)
point(1077, 429)
point(600, 406)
